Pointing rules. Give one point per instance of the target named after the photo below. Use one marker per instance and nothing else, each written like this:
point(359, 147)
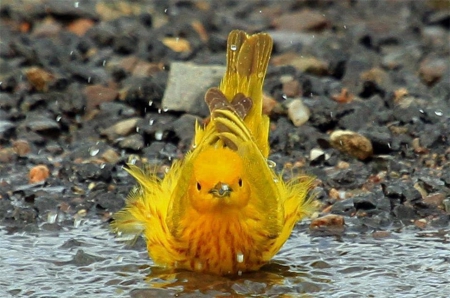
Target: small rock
point(42, 124)
point(421, 223)
point(435, 199)
point(298, 112)
point(403, 212)
point(39, 173)
point(110, 156)
point(344, 207)
point(317, 153)
point(432, 69)
point(177, 44)
point(7, 155)
point(21, 147)
point(343, 97)
point(80, 26)
point(269, 104)
point(292, 88)
point(381, 234)
point(187, 86)
point(330, 224)
point(302, 63)
point(304, 20)
point(351, 143)
point(122, 128)
point(39, 78)
point(98, 94)
point(134, 142)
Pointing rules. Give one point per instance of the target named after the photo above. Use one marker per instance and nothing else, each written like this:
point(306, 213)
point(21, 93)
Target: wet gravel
point(87, 86)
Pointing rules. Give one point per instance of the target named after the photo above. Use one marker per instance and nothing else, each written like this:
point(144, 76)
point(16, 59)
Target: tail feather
point(247, 62)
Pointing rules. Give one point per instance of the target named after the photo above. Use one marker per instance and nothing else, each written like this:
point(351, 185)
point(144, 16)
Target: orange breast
point(221, 244)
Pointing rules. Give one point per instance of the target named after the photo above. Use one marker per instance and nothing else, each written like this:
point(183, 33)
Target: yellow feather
point(221, 209)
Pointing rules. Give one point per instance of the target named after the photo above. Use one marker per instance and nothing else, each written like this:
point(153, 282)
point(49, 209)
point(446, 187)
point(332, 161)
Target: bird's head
point(218, 181)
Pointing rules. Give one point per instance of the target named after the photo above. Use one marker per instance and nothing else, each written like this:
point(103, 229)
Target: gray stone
point(187, 86)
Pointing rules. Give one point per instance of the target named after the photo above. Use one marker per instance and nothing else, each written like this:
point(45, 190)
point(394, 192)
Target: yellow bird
point(221, 209)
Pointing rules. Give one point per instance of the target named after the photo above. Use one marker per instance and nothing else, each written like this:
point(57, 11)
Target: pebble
point(330, 224)
point(38, 173)
point(121, 128)
point(134, 142)
point(98, 94)
point(351, 143)
point(298, 112)
point(310, 21)
point(187, 86)
point(39, 78)
point(42, 124)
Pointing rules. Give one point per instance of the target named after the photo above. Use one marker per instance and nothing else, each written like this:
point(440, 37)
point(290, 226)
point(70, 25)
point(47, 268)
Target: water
point(88, 262)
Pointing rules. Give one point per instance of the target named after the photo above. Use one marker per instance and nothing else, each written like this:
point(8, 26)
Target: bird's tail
point(247, 62)
point(241, 87)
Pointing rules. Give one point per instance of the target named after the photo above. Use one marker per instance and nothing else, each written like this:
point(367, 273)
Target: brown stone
point(39, 173)
point(292, 88)
point(80, 26)
point(177, 44)
point(97, 94)
point(39, 78)
point(304, 20)
point(351, 143)
point(432, 69)
point(434, 199)
point(21, 147)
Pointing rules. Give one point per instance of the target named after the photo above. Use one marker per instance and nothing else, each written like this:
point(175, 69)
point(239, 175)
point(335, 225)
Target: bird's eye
point(199, 186)
point(240, 182)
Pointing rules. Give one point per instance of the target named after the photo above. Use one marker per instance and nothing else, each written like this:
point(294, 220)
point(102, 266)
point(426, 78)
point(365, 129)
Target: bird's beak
point(221, 190)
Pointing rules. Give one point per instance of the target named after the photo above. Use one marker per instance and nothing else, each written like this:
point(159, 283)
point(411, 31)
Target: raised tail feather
point(247, 62)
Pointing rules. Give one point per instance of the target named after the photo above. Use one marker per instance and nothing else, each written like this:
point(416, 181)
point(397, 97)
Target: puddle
point(88, 262)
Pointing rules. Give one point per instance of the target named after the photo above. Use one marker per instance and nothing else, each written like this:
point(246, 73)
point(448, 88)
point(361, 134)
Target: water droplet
point(137, 129)
point(260, 75)
point(51, 217)
point(151, 121)
point(240, 257)
point(159, 135)
point(76, 4)
point(284, 96)
point(165, 109)
point(102, 166)
point(233, 47)
point(194, 146)
point(89, 80)
point(271, 163)
point(389, 145)
point(94, 151)
point(275, 179)
point(58, 118)
point(166, 170)
point(159, 111)
point(104, 62)
point(71, 53)
point(421, 111)
point(439, 113)
point(345, 26)
point(150, 103)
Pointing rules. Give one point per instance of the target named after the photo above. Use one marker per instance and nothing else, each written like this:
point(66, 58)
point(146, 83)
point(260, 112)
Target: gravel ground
point(358, 93)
